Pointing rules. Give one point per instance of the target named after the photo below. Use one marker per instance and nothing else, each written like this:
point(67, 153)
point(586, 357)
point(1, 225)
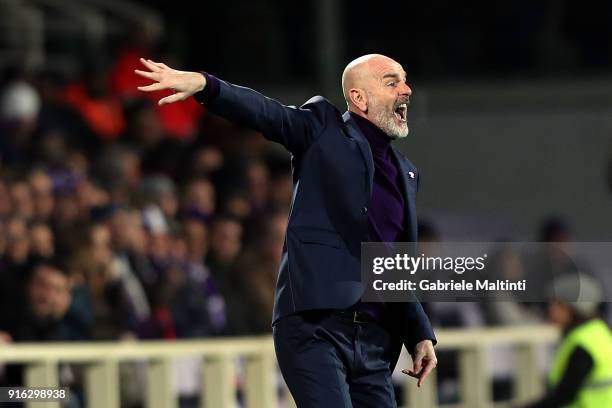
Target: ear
point(359, 99)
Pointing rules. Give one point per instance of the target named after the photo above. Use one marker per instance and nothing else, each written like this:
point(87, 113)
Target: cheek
point(380, 105)
point(389, 103)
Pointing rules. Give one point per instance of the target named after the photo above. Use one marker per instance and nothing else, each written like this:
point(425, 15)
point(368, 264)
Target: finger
point(171, 99)
point(426, 370)
point(410, 373)
point(418, 361)
point(159, 64)
point(153, 87)
point(150, 75)
point(149, 64)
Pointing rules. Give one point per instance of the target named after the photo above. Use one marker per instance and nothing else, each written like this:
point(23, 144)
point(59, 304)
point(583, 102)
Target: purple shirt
point(386, 212)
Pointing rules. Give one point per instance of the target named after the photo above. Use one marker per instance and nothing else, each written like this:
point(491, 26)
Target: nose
point(406, 90)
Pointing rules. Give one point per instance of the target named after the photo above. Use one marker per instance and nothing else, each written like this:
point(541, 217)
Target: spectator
point(199, 199)
point(100, 109)
point(93, 267)
point(551, 258)
point(14, 268)
point(237, 204)
point(21, 196)
point(53, 311)
point(507, 263)
point(15, 265)
point(160, 191)
point(180, 120)
point(225, 245)
point(6, 207)
point(42, 240)
point(118, 170)
point(281, 190)
point(206, 160)
point(226, 241)
point(19, 108)
point(581, 371)
point(198, 308)
point(197, 239)
point(17, 244)
point(258, 184)
point(255, 276)
point(131, 264)
point(41, 186)
point(145, 134)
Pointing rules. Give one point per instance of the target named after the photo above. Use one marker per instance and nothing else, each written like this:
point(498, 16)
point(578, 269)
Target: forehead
point(50, 274)
point(383, 67)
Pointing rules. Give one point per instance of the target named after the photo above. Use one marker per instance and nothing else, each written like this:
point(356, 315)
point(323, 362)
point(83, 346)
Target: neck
point(379, 141)
point(356, 112)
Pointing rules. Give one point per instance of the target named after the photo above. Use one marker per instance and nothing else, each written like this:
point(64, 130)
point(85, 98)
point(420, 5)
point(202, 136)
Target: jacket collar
point(364, 146)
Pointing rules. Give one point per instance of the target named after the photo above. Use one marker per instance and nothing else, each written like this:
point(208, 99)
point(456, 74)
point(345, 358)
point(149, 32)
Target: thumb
point(179, 96)
point(418, 362)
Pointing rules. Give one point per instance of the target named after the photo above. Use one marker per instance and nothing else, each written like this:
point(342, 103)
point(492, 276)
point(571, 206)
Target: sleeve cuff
point(428, 335)
point(210, 91)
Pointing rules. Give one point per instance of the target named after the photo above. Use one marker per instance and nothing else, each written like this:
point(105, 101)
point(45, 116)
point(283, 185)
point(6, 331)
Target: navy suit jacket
point(333, 173)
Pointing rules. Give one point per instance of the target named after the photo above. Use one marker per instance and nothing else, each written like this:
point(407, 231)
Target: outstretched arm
point(294, 128)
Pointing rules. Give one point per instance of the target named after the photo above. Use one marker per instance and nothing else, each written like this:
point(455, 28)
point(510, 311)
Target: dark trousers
point(330, 361)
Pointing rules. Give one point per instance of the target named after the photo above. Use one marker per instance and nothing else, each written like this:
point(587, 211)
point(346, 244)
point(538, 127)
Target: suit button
point(364, 210)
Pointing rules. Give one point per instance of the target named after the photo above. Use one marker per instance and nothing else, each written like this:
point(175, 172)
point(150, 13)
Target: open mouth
point(401, 111)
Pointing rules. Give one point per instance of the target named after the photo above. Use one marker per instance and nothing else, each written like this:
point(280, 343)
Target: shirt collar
point(379, 141)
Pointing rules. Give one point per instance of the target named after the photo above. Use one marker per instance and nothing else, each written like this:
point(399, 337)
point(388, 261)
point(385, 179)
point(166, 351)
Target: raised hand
point(183, 83)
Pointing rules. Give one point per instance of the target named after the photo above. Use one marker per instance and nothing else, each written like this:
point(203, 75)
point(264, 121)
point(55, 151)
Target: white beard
point(385, 120)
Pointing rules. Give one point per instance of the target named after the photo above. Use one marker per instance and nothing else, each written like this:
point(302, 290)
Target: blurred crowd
point(122, 219)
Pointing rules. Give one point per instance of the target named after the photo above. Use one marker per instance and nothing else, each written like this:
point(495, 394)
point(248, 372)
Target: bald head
point(360, 70)
point(374, 86)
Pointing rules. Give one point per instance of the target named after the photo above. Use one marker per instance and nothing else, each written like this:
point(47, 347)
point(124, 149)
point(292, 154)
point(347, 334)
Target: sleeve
point(294, 128)
point(579, 366)
point(418, 326)
point(210, 91)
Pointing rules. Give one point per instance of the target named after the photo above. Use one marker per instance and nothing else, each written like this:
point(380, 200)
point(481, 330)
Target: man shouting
point(350, 185)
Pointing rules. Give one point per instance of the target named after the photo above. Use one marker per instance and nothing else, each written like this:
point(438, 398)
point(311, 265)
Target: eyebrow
point(395, 76)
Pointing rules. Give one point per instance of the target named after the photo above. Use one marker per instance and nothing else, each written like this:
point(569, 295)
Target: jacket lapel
point(364, 146)
point(409, 190)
